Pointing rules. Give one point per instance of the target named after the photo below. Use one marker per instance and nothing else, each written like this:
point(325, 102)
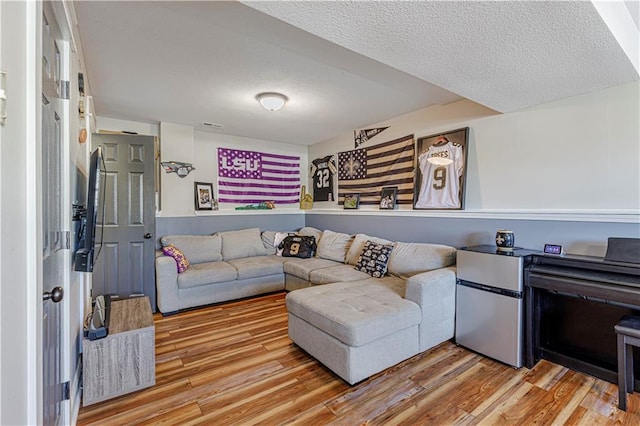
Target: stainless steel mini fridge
point(489, 302)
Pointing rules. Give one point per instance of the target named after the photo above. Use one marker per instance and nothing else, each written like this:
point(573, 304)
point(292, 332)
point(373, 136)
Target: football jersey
point(322, 171)
point(441, 168)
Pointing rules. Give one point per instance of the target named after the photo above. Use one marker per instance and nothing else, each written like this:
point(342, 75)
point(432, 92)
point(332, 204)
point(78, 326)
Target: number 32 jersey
point(322, 171)
point(441, 168)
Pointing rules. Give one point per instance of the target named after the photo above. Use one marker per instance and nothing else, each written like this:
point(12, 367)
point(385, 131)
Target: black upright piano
point(571, 306)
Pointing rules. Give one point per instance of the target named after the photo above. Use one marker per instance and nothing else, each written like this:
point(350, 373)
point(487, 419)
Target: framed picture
point(204, 196)
point(351, 201)
point(441, 169)
point(388, 197)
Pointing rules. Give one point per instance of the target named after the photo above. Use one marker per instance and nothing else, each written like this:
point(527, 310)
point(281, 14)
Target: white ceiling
point(189, 62)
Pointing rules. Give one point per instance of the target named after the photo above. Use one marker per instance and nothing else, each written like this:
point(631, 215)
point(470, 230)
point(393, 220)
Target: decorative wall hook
point(177, 167)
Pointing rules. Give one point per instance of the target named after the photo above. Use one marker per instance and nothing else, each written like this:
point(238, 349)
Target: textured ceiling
point(504, 55)
point(343, 65)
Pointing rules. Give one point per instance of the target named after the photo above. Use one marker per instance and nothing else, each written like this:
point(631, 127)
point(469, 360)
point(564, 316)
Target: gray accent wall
point(577, 237)
point(203, 225)
point(585, 238)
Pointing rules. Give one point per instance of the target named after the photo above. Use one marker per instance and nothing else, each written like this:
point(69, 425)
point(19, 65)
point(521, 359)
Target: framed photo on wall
point(441, 169)
point(388, 197)
point(351, 201)
point(204, 195)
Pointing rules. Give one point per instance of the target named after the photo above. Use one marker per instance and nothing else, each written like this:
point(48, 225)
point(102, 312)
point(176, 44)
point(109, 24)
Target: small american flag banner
point(367, 170)
point(253, 177)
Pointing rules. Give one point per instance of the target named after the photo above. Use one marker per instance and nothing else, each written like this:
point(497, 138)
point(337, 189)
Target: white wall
point(577, 155)
point(118, 125)
point(177, 144)
point(182, 143)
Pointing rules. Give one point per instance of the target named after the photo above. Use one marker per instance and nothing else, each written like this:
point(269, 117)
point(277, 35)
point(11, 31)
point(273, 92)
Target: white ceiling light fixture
point(271, 100)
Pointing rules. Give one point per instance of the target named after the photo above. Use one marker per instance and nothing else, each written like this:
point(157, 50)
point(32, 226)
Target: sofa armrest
point(435, 293)
point(167, 284)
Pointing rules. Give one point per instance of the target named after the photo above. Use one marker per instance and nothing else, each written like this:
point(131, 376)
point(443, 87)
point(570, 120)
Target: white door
point(55, 244)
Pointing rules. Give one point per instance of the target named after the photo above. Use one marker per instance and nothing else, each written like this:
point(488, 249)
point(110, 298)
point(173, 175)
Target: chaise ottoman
point(356, 329)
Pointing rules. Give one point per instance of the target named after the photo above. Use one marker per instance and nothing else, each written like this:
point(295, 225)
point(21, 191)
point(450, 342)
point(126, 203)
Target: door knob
point(147, 236)
point(55, 295)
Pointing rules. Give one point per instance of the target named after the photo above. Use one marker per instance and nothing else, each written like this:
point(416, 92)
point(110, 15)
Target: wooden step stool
point(628, 331)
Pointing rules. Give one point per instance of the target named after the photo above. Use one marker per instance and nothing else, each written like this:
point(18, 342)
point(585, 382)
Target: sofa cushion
point(334, 274)
point(278, 259)
point(197, 248)
point(334, 245)
point(181, 260)
point(408, 259)
point(301, 268)
point(256, 266)
point(396, 284)
point(358, 243)
point(271, 240)
point(354, 313)
point(207, 273)
point(312, 232)
point(242, 243)
point(374, 258)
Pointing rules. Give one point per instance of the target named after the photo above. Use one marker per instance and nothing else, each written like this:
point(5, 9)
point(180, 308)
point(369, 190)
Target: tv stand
point(124, 361)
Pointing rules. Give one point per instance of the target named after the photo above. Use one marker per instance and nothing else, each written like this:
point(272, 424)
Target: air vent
point(211, 125)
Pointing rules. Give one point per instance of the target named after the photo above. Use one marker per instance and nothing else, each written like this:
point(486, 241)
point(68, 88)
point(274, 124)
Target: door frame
point(20, 249)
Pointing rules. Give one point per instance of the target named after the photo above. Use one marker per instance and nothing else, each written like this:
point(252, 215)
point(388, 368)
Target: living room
point(561, 171)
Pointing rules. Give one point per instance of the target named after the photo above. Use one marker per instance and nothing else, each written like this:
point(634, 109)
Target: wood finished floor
point(234, 364)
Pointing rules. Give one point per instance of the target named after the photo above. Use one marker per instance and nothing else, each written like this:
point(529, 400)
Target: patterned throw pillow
point(373, 259)
point(180, 258)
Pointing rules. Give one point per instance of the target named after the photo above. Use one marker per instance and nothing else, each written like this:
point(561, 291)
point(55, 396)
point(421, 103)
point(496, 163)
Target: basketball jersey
point(440, 184)
point(322, 171)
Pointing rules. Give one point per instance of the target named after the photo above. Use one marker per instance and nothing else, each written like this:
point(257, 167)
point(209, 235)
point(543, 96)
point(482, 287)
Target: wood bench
point(628, 331)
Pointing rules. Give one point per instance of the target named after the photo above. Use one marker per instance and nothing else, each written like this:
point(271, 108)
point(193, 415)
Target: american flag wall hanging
point(366, 171)
point(253, 177)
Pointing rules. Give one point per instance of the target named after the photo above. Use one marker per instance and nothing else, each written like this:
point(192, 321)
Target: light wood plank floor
point(234, 364)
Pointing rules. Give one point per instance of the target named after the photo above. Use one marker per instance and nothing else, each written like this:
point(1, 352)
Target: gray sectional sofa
point(353, 323)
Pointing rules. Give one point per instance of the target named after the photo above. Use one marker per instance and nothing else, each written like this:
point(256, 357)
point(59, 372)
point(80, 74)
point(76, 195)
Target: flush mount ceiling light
point(271, 100)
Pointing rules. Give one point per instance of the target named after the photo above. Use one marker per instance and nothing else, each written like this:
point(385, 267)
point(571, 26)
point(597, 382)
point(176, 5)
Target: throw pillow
point(334, 245)
point(197, 248)
point(242, 243)
point(278, 239)
point(353, 255)
point(374, 258)
point(267, 241)
point(179, 257)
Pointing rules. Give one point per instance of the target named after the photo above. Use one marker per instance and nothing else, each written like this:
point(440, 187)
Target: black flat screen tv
point(86, 253)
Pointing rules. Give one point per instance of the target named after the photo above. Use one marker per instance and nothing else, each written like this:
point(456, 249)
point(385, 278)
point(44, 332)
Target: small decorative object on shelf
point(351, 201)
point(306, 200)
point(505, 240)
point(265, 205)
point(388, 197)
point(204, 196)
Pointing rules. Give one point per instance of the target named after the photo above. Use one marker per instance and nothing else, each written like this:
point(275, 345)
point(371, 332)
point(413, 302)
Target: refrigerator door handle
point(490, 289)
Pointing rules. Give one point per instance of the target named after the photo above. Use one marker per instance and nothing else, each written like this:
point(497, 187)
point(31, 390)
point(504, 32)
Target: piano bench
point(628, 331)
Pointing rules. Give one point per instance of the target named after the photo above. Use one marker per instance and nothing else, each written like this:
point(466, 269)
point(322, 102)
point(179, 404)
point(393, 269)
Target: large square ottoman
point(356, 329)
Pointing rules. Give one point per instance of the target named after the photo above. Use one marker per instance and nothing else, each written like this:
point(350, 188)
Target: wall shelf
point(609, 216)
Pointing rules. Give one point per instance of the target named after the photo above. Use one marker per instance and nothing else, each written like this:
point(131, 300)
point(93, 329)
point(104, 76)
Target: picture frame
point(352, 201)
point(388, 197)
point(441, 170)
point(203, 192)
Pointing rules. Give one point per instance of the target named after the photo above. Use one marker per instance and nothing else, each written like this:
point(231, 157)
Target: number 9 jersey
point(441, 167)
point(322, 171)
